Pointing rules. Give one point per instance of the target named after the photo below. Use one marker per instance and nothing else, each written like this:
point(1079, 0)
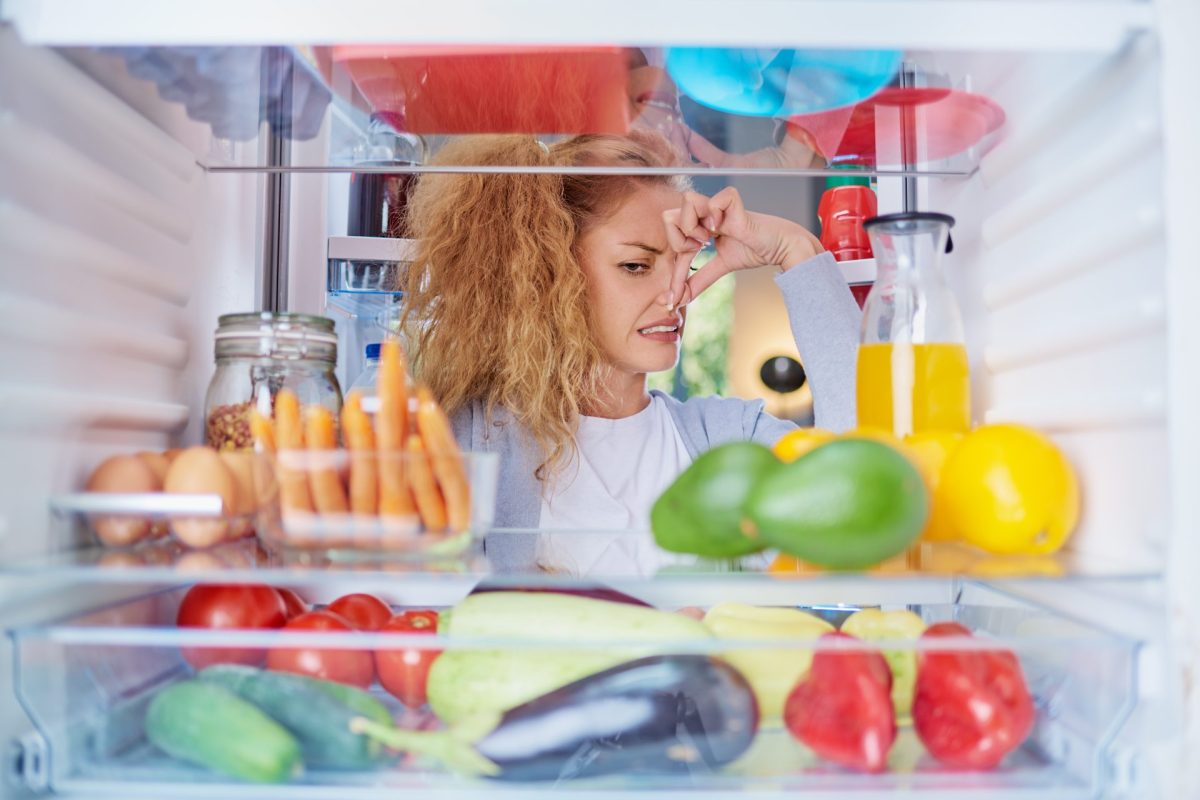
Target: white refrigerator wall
point(1071, 251)
point(1060, 265)
point(117, 252)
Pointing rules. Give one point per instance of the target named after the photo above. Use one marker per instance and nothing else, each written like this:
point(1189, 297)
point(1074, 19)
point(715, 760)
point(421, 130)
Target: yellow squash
point(772, 673)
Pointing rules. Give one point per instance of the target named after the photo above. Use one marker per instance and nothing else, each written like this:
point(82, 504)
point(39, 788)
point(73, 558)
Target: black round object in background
point(782, 374)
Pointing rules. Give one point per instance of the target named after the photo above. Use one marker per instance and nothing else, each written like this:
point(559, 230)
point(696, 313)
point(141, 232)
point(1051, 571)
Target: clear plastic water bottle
point(365, 382)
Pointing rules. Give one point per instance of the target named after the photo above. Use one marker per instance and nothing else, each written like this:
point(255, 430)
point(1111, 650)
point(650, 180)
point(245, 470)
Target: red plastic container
point(518, 89)
point(932, 123)
point(860, 291)
point(842, 211)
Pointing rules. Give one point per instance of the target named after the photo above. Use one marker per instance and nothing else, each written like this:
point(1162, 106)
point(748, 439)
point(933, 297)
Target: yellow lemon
point(886, 437)
point(1009, 490)
point(800, 441)
point(899, 564)
point(1017, 566)
point(945, 558)
point(930, 450)
point(784, 565)
point(877, 434)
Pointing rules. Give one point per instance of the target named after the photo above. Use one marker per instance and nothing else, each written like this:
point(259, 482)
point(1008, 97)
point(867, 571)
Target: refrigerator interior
point(126, 227)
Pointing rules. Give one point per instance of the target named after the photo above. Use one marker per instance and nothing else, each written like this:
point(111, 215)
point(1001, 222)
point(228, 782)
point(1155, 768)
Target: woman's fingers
point(726, 206)
point(703, 278)
point(684, 249)
point(689, 228)
point(679, 277)
point(696, 217)
point(677, 238)
point(706, 152)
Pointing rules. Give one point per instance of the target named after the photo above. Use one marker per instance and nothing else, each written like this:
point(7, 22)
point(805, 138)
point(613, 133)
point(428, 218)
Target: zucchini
point(312, 713)
point(206, 724)
point(466, 682)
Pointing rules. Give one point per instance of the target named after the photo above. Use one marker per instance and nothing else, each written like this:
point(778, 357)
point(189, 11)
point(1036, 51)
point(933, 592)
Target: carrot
point(293, 483)
point(263, 432)
point(266, 486)
point(360, 441)
point(391, 423)
point(328, 495)
point(393, 393)
point(425, 490)
point(447, 459)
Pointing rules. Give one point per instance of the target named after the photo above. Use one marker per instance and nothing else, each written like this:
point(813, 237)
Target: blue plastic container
point(779, 83)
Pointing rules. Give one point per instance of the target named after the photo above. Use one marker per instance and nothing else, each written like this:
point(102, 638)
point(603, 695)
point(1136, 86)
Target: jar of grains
point(258, 354)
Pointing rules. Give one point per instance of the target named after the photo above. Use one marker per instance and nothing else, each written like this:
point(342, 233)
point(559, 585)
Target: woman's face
point(628, 266)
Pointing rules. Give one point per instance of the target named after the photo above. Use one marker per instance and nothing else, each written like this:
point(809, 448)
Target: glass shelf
point(731, 111)
point(86, 681)
point(627, 560)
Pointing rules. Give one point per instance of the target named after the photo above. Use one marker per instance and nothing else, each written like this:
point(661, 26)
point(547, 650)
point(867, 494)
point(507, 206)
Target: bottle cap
point(849, 178)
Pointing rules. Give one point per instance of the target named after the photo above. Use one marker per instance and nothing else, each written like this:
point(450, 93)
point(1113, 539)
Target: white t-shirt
point(620, 468)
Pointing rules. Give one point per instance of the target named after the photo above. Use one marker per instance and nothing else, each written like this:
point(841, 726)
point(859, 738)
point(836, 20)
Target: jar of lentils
point(259, 354)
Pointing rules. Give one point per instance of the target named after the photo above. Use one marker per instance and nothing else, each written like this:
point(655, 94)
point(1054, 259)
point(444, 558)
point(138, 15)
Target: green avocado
point(848, 504)
point(703, 511)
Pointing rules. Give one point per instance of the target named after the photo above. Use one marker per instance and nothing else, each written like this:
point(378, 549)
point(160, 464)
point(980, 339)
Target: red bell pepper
point(842, 709)
point(971, 707)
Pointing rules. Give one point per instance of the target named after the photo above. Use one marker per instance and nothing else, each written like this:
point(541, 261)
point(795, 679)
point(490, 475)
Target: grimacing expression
point(628, 267)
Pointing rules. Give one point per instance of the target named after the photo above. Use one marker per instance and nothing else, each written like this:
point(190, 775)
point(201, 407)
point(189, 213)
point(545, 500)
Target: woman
point(545, 300)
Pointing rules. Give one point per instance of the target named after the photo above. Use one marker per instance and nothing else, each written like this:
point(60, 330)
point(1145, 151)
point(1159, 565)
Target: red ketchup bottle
point(842, 210)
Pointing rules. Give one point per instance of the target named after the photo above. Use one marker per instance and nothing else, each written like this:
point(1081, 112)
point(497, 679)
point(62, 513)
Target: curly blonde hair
point(496, 297)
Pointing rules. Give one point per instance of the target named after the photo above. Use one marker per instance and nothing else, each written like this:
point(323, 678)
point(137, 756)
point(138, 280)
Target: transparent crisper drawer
point(87, 682)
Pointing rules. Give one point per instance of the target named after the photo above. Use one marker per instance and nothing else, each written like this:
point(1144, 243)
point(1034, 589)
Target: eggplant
point(595, 591)
point(676, 714)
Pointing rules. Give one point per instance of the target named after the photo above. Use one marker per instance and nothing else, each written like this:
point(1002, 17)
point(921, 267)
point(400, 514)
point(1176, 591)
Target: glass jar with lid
point(913, 374)
point(258, 354)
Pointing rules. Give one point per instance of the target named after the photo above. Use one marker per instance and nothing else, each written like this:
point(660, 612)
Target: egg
point(241, 466)
point(121, 559)
point(157, 462)
point(200, 470)
point(124, 474)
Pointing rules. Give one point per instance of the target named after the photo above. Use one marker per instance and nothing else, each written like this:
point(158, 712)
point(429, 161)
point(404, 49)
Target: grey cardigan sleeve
point(825, 322)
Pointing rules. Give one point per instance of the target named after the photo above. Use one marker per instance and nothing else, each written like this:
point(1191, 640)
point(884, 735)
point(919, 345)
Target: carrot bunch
point(405, 469)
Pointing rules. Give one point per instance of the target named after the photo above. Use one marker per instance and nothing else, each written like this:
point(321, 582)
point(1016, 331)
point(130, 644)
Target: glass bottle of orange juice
point(912, 360)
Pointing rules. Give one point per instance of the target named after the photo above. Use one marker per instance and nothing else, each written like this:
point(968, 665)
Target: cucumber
point(312, 713)
point(466, 682)
point(207, 724)
point(364, 704)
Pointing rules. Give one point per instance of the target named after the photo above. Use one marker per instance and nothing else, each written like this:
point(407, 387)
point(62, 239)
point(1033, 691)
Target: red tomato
point(249, 607)
point(843, 709)
point(404, 673)
point(293, 602)
point(365, 611)
point(971, 708)
point(354, 667)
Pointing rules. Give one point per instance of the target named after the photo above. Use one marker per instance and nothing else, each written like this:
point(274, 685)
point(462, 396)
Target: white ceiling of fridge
point(1058, 25)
